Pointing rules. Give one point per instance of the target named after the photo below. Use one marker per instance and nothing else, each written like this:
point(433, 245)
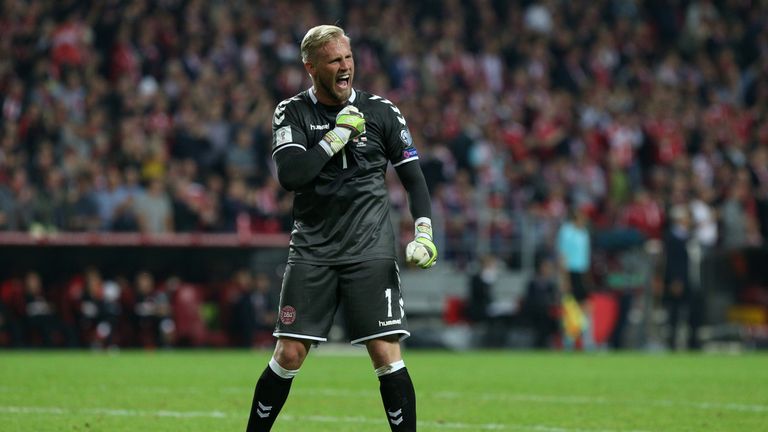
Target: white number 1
point(388, 295)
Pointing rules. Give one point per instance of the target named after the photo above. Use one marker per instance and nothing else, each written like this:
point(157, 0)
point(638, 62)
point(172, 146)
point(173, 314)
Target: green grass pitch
point(338, 391)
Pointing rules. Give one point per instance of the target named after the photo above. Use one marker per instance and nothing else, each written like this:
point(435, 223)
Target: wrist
point(422, 228)
point(343, 133)
point(335, 139)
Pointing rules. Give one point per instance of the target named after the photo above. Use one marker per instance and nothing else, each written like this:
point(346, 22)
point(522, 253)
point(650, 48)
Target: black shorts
point(368, 291)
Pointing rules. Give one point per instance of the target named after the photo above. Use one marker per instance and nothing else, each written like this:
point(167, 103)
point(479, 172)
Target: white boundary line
point(547, 399)
point(31, 410)
point(508, 397)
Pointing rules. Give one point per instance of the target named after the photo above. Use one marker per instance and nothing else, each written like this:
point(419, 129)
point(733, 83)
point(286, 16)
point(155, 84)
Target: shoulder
point(375, 104)
point(295, 105)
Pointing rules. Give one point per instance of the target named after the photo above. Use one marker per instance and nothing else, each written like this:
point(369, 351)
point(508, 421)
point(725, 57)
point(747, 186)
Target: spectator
point(10, 333)
point(489, 318)
point(152, 318)
point(241, 161)
point(111, 198)
point(677, 289)
point(481, 290)
point(41, 323)
point(80, 210)
point(90, 310)
point(254, 309)
point(541, 303)
point(153, 209)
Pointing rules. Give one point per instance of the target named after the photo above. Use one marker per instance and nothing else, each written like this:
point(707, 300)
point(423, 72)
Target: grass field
point(337, 391)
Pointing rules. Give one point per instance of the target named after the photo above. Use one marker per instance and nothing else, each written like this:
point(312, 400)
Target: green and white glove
point(422, 250)
point(349, 124)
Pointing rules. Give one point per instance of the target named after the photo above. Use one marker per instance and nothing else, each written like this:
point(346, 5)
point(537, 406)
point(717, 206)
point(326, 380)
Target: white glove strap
point(419, 228)
point(334, 147)
point(343, 133)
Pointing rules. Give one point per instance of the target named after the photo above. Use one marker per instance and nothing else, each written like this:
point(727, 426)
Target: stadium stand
point(149, 122)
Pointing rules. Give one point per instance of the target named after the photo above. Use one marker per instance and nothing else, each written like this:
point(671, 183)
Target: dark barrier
point(131, 290)
point(193, 257)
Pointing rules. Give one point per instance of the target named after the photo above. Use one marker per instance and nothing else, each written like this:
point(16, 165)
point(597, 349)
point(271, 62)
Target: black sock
point(268, 398)
point(399, 399)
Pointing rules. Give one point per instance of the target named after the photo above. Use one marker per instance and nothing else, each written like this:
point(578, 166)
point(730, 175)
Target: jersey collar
point(312, 96)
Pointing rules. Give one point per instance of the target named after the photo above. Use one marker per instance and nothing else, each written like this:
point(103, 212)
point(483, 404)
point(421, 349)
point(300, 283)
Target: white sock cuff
point(281, 371)
point(390, 368)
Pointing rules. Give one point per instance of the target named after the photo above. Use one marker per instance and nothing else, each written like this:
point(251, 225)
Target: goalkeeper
point(332, 145)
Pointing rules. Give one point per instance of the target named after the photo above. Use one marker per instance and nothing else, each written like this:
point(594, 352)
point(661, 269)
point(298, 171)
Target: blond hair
point(318, 36)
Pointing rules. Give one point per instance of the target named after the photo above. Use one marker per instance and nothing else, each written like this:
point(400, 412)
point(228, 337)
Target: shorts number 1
point(388, 295)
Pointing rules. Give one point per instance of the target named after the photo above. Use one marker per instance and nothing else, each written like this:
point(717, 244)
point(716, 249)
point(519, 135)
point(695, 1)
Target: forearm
point(297, 167)
point(416, 187)
point(422, 250)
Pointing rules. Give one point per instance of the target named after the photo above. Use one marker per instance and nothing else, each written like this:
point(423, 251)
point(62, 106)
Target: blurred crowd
point(142, 310)
point(155, 116)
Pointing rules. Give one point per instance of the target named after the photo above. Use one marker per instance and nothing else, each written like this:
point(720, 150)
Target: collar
point(311, 92)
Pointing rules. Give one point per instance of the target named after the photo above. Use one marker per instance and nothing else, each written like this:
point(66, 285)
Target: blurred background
point(138, 205)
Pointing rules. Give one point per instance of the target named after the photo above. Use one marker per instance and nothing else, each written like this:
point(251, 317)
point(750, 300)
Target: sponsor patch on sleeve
point(283, 136)
point(409, 153)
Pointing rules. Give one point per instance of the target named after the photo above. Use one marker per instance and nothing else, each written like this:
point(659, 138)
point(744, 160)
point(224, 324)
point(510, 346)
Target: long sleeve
point(297, 167)
point(416, 186)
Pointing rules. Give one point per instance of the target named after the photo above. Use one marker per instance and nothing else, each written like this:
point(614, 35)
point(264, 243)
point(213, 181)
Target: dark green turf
point(337, 391)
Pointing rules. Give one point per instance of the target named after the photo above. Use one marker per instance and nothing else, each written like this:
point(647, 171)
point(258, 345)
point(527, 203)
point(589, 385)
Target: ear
point(310, 68)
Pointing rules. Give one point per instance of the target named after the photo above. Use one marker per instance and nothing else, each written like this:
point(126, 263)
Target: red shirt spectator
point(645, 214)
point(70, 42)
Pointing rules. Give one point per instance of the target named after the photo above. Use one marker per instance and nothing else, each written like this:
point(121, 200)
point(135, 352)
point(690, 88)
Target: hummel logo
point(263, 410)
point(319, 127)
point(390, 322)
point(395, 417)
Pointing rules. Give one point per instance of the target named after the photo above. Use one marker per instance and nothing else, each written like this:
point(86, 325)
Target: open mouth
point(342, 81)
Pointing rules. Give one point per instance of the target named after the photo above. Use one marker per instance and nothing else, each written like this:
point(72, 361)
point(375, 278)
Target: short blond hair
point(318, 36)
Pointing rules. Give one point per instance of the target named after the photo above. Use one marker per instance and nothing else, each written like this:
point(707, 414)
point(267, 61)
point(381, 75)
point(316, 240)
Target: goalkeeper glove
point(350, 123)
point(422, 251)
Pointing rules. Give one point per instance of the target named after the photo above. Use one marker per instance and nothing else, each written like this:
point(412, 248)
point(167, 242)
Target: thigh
point(308, 302)
point(373, 301)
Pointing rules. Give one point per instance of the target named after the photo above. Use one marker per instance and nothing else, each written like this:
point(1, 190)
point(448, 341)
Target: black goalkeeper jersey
point(342, 216)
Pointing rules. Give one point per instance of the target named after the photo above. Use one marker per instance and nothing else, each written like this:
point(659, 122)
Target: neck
point(328, 100)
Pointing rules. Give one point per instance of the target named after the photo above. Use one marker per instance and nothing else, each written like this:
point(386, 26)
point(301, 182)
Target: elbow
point(289, 183)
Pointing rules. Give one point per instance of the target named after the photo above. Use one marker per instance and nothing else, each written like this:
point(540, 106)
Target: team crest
point(287, 315)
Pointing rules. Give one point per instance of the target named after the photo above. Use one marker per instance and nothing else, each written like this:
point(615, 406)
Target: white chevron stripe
point(395, 413)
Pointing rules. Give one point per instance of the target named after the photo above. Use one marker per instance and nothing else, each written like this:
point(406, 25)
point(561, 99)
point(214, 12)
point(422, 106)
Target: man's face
point(332, 71)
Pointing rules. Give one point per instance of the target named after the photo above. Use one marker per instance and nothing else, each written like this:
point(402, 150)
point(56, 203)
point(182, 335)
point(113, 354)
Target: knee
point(384, 351)
point(290, 354)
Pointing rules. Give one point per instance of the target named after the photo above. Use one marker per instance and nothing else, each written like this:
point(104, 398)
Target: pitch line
point(513, 397)
point(116, 412)
point(587, 400)
point(550, 399)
